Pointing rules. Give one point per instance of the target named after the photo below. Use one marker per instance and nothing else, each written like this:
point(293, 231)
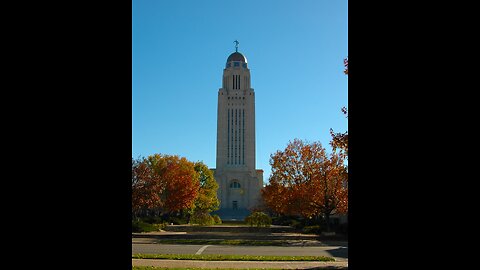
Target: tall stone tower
point(239, 182)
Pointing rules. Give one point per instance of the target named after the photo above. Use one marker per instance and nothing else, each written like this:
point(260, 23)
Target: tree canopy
point(164, 183)
point(307, 181)
point(206, 200)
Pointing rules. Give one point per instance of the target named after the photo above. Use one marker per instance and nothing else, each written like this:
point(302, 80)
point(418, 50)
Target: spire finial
point(236, 45)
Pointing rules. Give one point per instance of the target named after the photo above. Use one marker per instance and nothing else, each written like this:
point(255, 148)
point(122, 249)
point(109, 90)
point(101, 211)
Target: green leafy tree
point(206, 200)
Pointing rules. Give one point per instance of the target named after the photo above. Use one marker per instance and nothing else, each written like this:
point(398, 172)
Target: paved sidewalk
point(238, 264)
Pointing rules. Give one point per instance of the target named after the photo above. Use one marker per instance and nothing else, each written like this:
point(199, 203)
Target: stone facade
point(239, 182)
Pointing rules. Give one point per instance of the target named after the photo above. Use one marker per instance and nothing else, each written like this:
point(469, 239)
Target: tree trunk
point(327, 220)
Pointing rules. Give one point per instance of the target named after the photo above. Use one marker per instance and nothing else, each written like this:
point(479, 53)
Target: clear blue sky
point(295, 51)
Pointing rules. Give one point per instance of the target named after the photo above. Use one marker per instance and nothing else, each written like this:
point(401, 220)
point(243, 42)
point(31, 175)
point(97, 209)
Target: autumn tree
point(307, 181)
point(340, 139)
point(206, 200)
point(147, 188)
point(163, 184)
point(180, 179)
point(332, 195)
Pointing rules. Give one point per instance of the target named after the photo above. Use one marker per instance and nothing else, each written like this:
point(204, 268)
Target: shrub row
point(141, 226)
point(258, 219)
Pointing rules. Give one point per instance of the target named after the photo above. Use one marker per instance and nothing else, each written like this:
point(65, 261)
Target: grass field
point(216, 257)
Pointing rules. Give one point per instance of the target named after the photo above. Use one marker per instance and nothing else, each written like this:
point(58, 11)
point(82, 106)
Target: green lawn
point(216, 257)
point(158, 268)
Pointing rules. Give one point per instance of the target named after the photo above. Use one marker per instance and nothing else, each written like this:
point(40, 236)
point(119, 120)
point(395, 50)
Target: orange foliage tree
point(180, 180)
point(340, 140)
point(163, 184)
point(306, 181)
point(147, 188)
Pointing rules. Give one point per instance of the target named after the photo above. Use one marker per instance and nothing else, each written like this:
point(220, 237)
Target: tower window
point(229, 65)
point(236, 64)
point(235, 184)
point(244, 65)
